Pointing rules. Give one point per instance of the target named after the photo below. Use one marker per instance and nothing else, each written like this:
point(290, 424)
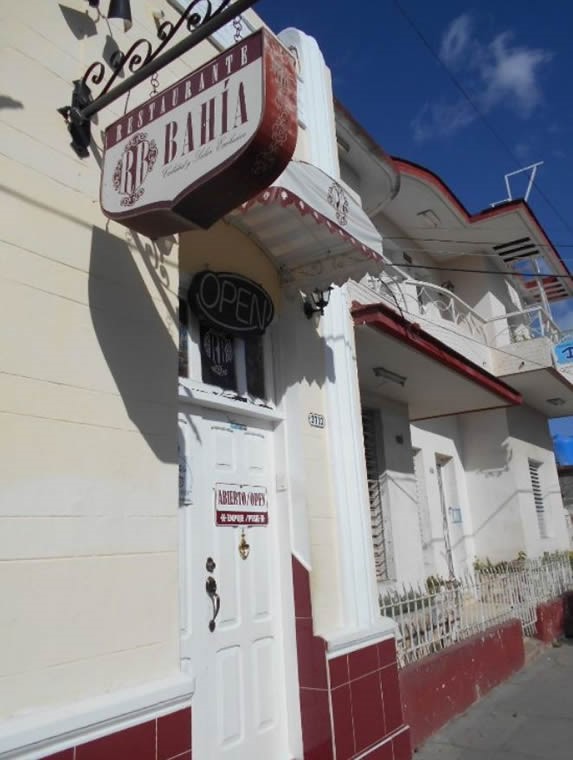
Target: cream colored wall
point(224, 248)
point(88, 366)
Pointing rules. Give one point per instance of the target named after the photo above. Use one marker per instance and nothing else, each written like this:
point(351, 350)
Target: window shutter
point(534, 468)
point(373, 475)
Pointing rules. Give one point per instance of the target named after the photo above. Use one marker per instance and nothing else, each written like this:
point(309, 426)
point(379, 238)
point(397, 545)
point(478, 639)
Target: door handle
point(211, 589)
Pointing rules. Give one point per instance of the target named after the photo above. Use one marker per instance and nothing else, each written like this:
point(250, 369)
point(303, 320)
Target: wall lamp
point(120, 9)
point(317, 302)
point(387, 374)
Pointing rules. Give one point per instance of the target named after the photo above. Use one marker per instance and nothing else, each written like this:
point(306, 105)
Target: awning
point(314, 229)
point(399, 360)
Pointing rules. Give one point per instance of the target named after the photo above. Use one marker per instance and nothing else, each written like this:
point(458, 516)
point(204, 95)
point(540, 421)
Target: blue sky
point(514, 59)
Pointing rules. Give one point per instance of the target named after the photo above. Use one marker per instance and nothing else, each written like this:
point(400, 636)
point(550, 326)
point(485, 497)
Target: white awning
point(316, 232)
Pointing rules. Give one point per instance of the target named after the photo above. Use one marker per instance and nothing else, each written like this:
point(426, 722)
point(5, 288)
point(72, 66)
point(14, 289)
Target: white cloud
point(442, 118)
point(499, 74)
point(456, 39)
point(512, 73)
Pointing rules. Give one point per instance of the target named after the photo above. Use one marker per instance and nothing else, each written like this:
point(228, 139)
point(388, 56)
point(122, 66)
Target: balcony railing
point(417, 298)
point(528, 324)
point(443, 308)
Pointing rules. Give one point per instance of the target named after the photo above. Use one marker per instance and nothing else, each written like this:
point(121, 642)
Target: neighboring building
point(201, 504)
point(460, 468)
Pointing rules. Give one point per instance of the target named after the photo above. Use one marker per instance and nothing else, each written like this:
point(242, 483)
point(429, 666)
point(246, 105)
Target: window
point(234, 364)
point(534, 468)
point(371, 428)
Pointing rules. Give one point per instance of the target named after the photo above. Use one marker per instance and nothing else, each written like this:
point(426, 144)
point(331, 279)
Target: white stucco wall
point(497, 445)
point(442, 437)
point(531, 439)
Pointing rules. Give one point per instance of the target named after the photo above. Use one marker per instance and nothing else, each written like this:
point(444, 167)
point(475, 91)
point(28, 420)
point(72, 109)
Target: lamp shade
point(121, 9)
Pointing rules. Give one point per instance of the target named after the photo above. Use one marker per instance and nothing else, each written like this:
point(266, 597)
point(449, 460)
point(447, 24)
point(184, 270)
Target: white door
point(239, 702)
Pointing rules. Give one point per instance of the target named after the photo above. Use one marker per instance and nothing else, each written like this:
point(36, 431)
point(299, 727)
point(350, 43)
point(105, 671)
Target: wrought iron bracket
point(142, 60)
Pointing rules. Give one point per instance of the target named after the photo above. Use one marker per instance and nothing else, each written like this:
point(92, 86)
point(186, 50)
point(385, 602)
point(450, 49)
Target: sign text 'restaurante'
point(213, 117)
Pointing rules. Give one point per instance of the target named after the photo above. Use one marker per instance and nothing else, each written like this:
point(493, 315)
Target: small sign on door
point(240, 505)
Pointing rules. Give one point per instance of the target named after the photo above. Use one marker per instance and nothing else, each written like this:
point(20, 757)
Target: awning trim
point(278, 194)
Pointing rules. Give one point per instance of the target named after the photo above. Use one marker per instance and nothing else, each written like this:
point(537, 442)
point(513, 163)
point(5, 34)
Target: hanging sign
point(232, 302)
point(206, 144)
point(564, 352)
point(240, 505)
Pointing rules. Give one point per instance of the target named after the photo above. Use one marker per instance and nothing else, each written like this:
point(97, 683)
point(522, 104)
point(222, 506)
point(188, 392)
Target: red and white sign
point(206, 144)
point(241, 505)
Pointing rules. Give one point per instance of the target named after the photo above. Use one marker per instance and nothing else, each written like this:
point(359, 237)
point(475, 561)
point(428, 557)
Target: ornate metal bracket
point(142, 61)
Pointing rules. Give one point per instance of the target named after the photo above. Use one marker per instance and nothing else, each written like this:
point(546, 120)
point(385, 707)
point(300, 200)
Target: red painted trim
point(440, 686)
point(415, 170)
point(384, 319)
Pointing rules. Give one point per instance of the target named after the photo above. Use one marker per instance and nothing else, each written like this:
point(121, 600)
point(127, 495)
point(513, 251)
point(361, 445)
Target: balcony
point(516, 346)
point(440, 312)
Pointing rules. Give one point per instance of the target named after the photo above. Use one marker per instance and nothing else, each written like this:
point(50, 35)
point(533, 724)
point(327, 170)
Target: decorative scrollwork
point(197, 13)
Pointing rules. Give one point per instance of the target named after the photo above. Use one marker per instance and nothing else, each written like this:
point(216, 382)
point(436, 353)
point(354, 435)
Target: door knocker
point(244, 546)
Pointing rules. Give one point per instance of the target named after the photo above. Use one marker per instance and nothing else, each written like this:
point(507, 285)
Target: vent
point(370, 428)
point(554, 289)
point(534, 468)
point(513, 250)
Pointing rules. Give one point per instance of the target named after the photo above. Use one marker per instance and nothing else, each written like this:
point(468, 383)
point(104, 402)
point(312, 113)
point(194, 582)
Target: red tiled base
point(165, 738)
point(363, 688)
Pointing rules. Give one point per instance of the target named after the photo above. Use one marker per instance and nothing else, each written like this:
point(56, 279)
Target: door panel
point(238, 706)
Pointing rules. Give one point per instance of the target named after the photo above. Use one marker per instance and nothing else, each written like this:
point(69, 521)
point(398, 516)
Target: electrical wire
point(467, 242)
point(481, 271)
point(475, 107)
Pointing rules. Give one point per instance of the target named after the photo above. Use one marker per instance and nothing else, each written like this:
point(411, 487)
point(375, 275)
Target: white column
point(344, 428)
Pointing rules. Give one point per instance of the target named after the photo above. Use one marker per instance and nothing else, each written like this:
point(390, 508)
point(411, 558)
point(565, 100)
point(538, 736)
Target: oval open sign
point(232, 302)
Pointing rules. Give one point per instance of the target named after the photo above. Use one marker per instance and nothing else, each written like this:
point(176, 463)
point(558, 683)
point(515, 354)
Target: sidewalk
point(530, 717)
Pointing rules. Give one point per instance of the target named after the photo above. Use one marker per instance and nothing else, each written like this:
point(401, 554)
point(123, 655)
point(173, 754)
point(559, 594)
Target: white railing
point(528, 324)
point(418, 298)
point(437, 614)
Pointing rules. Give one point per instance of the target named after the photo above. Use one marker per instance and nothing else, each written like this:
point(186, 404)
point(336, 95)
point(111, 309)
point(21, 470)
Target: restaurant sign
point(205, 145)
point(240, 505)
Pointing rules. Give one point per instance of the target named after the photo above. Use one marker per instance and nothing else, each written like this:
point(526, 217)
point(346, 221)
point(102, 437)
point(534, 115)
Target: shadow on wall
point(7, 102)
point(138, 349)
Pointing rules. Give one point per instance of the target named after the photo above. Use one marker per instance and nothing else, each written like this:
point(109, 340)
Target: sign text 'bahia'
point(206, 144)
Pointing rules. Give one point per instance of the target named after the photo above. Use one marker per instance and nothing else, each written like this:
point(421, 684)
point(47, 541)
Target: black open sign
point(232, 302)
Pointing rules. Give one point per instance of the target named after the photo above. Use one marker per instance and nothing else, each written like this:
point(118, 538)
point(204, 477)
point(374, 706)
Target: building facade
point(226, 443)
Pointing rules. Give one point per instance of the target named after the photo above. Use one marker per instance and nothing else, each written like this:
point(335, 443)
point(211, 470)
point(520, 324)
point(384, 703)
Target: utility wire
point(480, 271)
point(472, 103)
point(467, 242)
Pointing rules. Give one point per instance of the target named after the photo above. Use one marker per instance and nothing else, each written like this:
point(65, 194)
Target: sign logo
point(564, 352)
point(219, 351)
point(206, 144)
point(232, 302)
point(339, 202)
point(316, 420)
point(137, 160)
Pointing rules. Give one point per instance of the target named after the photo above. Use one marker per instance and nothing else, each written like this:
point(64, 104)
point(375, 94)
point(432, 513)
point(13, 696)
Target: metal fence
point(438, 613)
